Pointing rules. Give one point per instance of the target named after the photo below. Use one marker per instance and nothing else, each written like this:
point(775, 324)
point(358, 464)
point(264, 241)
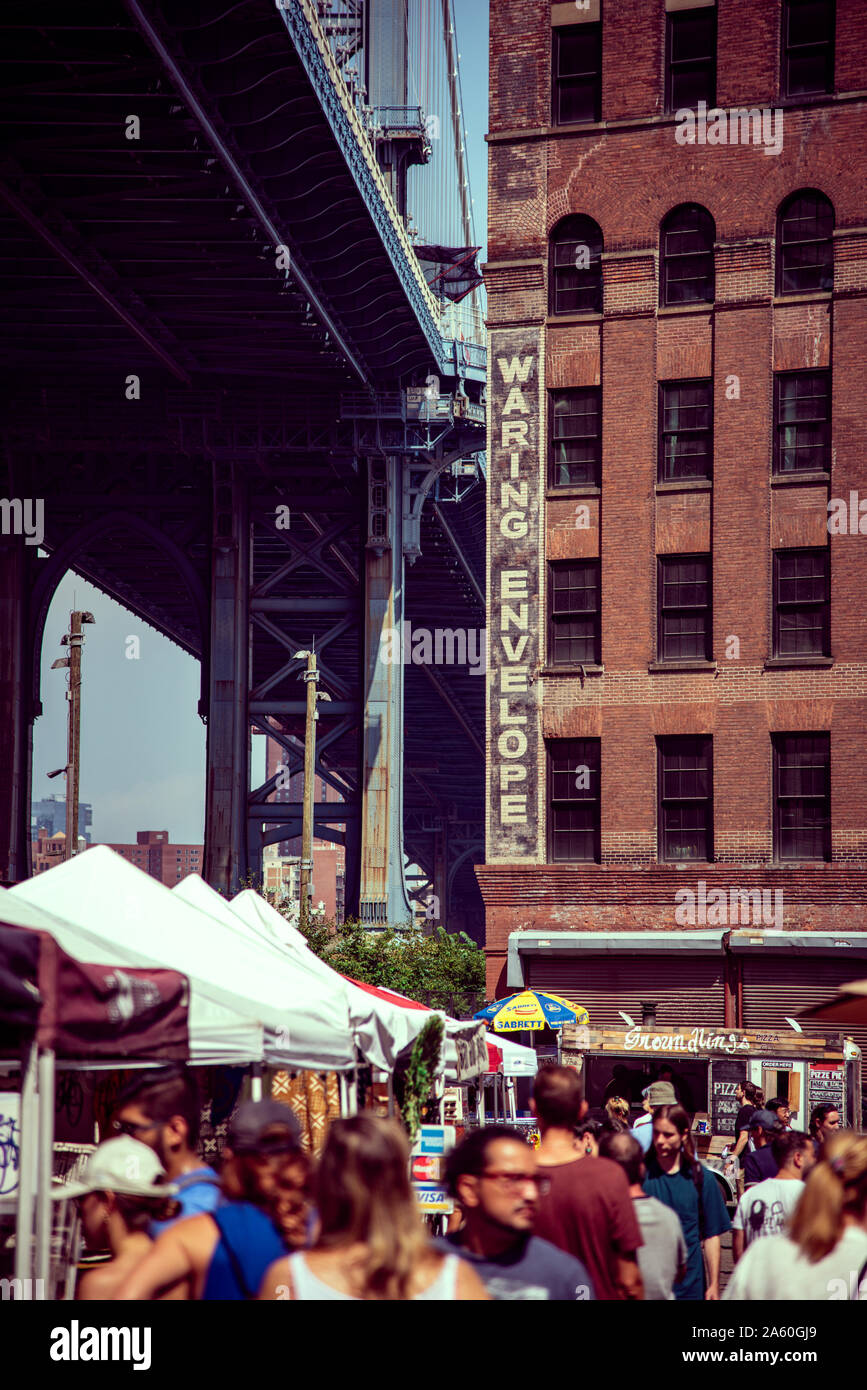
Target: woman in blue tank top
point(265, 1210)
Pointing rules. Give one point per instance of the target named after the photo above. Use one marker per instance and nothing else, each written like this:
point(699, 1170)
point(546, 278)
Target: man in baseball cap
point(761, 1164)
point(122, 1189)
point(657, 1093)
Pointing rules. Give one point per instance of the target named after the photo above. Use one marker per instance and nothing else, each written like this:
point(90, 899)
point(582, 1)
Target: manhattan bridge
point(244, 367)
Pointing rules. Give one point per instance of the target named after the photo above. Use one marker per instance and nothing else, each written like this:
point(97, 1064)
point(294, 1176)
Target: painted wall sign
point(513, 618)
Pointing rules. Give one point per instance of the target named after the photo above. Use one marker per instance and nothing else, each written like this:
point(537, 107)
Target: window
point(690, 67)
point(574, 611)
point(576, 436)
point(685, 798)
point(802, 603)
point(805, 247)
point(685, 430)
point(573, 799)
point(575, 267)
point(687, 271)
point(802, 422)
point(808, 47)
point(684, 608)
point(576, 68)
point(802, 796)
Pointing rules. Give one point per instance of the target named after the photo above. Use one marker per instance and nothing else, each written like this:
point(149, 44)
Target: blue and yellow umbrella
point(532, 1008)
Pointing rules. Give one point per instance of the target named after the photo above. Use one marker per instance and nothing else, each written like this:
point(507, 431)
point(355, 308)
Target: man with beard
point(161, 1110)
point(493, 1175)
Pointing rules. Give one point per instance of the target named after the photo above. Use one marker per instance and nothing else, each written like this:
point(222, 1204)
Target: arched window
point(686, 246)
point(575, 267)
point(805, 250)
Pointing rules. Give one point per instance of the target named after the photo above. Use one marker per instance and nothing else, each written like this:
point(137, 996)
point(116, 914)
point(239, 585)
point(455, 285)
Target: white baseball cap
point(122, 1165)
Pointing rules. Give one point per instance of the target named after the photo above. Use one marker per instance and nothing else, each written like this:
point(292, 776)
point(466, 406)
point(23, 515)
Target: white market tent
point(379, 1033)
point(383, 1029)
point(464, 1041)
point(120, 915)
point(217, 1034)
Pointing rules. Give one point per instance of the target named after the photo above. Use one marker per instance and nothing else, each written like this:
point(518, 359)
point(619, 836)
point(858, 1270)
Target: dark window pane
point(803, 422)
point(685, 783)
point(574, 610)
point(805, 248)
point(575, 447)
point(684, 598)
point(687, 238)
point(802, 780)
point(576, 266)
point(691, 58)
point(574, 807)
point(808, 47)
point(577, 73)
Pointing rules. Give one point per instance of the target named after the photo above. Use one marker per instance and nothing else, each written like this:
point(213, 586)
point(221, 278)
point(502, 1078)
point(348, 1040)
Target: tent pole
point(256, 1081)
point(481, 1104)
point(26, 1167)
point(390, 1085)
point(44, 1170)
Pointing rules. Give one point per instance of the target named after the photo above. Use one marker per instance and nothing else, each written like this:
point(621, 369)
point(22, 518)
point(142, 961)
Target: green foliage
point(413, 1088)
point(444, 970)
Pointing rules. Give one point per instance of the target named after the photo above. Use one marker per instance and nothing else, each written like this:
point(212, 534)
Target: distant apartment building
point(49, 815)
point(156, 855)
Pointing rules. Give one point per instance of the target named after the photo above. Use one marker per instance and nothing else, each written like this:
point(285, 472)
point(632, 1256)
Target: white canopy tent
point(217, 1033)
point(118, 914)
point(382, 1029)
point(464, 1041)
point(379, 1033)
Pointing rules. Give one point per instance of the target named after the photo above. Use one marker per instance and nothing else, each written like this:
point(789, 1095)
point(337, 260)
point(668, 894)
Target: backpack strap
point(234, 1262)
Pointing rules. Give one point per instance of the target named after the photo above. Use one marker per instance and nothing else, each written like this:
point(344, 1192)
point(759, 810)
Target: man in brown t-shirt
point(584, 1203)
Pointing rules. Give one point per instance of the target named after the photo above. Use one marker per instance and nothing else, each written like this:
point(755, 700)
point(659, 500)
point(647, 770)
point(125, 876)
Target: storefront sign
point(696, 1042)
point(514, 620)
point(826, 1085)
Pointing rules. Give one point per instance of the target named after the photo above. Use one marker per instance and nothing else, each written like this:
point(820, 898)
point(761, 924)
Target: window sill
point(804, 297)
point(655, 666)
point(572, 490)
point(672, 310)
point(589, 669)
point(792, 479)
point(686, 485)
point(778, 663)
point(589, 316)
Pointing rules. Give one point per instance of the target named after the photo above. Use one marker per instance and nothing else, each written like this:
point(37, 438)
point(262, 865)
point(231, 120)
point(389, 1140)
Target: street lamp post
point(74, 640)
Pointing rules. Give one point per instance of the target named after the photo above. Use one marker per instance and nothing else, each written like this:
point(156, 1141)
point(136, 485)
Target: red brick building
point(677, 557)
point(155, 855)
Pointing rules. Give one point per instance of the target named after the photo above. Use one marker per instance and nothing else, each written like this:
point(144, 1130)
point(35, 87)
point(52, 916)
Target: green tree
point(444, 970)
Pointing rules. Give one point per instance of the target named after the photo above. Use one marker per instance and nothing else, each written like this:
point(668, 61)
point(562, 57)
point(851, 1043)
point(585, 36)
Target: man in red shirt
point(584, 1203)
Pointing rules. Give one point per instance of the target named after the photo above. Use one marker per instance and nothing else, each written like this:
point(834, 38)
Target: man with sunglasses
point(161, 1109)
point(493, 1176)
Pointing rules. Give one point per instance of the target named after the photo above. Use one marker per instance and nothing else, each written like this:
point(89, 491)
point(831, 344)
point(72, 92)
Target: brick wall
point(626, 173)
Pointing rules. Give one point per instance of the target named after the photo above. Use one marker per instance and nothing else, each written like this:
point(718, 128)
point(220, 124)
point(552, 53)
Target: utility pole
point(74, 640)
point(311, 677)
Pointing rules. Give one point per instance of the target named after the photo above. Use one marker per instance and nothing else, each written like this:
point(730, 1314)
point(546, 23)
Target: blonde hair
point(363, 1195)
point(836, 1188)
point(617, 1108)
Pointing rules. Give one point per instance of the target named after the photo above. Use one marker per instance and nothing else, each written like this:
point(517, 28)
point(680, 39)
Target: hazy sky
point(142, 742)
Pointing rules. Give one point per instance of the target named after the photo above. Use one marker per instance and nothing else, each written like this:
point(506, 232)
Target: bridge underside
point(174, 395)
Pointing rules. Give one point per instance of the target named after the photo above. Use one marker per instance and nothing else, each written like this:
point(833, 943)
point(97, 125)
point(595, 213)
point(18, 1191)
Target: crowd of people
point(608, 1211)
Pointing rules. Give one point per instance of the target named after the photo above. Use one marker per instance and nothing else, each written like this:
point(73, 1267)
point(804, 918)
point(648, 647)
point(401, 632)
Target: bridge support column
point(228, 777)
point(16, 731)
point(383, 895)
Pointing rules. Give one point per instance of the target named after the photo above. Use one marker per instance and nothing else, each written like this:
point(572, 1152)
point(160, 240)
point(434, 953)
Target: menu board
point(724, 1105)
point(826, 1085)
